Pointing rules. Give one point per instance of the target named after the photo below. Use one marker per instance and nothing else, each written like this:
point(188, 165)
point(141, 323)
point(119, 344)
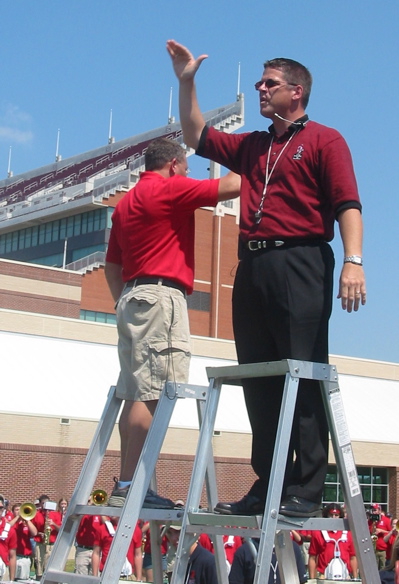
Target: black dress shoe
point(248, 505)
point(297, 507)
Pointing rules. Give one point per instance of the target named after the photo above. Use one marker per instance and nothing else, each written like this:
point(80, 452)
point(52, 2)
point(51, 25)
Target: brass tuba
point(99, 497)
point(27, 511)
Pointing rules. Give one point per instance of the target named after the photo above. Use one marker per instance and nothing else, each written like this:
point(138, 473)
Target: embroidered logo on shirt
point(298, 153)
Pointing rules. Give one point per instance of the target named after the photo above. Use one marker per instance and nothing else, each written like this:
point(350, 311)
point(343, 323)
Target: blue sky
point(66, 64)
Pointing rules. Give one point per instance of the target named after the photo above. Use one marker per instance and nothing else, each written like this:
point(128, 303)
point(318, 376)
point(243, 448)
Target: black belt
point(85, 547)
point(155, 280)
point(22, 556)
point(261, 244)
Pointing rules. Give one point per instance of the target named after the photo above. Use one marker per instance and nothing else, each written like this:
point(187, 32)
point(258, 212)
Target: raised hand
point(184, 64)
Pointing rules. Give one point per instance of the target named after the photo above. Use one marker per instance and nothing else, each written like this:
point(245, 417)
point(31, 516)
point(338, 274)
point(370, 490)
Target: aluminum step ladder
point(273, 528)
point(132, 510)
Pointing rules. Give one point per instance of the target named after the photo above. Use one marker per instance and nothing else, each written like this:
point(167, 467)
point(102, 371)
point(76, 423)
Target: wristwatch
point(355, 259)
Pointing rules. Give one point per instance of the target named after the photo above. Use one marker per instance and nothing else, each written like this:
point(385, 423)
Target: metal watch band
point(354, 259)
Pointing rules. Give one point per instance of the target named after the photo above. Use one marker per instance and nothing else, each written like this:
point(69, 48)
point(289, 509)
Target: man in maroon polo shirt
point(296, 180)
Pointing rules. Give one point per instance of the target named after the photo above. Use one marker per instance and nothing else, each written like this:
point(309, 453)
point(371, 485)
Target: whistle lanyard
point(258, 214)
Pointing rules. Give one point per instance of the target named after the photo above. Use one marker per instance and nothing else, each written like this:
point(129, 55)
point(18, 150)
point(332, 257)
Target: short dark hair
point(295, 73)
point(160, 151)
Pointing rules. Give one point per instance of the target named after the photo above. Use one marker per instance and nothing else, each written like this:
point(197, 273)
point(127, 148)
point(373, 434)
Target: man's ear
point(298, 93)
point(172, 167)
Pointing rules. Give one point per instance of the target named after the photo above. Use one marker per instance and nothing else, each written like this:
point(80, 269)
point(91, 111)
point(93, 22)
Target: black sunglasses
point(270, 83)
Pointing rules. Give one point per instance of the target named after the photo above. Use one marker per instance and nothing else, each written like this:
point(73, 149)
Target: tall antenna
point(171, 119)
point(111, 139)
point(9, 171)
point(239, 78)
point(57, 155)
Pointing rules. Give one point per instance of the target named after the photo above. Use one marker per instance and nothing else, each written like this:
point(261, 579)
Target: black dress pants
point(282, 302)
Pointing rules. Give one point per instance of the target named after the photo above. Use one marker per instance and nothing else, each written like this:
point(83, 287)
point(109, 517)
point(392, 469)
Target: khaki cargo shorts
point(154, 340)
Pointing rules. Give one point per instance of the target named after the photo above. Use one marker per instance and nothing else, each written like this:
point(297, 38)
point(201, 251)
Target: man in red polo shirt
point(379, 526)
point(85, 537)
point(150, 270)
point(47, 522)
point(325, 545)
point(8, 549)
point(297, 179)
point(25, 530)
point(102, 544)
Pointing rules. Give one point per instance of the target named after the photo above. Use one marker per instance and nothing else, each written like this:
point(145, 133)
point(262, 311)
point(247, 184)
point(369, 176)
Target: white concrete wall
point(67, 378)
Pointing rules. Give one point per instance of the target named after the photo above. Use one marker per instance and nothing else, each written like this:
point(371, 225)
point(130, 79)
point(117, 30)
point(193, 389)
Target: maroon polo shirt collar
point(293, 127)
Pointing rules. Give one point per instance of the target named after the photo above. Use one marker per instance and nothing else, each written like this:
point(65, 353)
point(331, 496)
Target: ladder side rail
point(136, 494)
point(274, 492)
point(287, 566)
point(156, 554)
point(212, 499)
point(84, 485)
point(197, 480)
point(210, 476)
point(155, 534)
point(349, 482)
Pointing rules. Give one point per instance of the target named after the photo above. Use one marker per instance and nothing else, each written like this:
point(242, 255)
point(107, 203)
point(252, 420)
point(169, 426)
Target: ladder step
point(251, 525)
point(70, 577)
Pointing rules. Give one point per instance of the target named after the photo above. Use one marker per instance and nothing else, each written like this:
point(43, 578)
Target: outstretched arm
point(185, 67)
point(229, 186)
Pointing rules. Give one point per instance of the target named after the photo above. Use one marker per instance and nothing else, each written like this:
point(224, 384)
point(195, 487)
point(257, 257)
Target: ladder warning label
point(351, 471)
point(338, 414)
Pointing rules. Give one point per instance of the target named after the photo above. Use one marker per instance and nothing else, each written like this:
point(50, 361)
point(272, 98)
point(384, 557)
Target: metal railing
point(94, 259)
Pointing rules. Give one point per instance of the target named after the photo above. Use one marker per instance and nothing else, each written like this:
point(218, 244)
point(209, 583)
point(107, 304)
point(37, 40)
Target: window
point(77, 225)
point(199, 301)
point(35, 235)
point(63, 228)
point(8, 242)
point(373, 484)
point(90, 221)
point(55, 235)
point(93, 316)
point(48, 233)
point(69, 232)
point(14, 241)
point(42, 229)
point(28, 237)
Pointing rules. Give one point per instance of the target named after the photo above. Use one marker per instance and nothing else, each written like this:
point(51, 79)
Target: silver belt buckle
point(254, 245)
point(278, 242)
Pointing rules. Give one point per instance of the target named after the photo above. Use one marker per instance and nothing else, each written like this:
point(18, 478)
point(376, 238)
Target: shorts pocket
point(141, 296)
point(169, 361)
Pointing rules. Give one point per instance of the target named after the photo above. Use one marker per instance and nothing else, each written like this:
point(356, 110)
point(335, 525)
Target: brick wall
point(39, 304)
point(36, 289)
point(393, 505)
point(29, 471)
point(95, 292)
point(36, 272)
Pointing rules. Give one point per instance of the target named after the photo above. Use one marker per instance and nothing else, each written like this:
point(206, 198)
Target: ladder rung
point(146, 514)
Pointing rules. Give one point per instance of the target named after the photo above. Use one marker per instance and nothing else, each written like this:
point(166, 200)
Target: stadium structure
point(58, 336)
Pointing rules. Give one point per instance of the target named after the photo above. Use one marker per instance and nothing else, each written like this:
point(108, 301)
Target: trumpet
point(27, 511)
point(99, 497)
